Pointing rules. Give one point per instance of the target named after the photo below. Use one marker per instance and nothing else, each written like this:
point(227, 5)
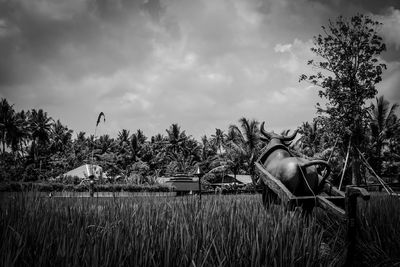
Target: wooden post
point(352, 193)
point(199, 174)
point(91, 185)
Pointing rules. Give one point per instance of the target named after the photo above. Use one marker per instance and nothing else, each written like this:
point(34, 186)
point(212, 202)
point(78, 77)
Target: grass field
point(180, 231)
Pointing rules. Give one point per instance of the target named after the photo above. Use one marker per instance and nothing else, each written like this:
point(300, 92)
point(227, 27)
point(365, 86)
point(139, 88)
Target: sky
point(149, 63)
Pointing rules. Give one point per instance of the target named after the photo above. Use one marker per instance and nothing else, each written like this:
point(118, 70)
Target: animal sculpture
point(299, 175)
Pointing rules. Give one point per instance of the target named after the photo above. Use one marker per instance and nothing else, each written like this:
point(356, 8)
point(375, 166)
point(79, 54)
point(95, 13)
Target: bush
point(70, 179)
point(58, 187)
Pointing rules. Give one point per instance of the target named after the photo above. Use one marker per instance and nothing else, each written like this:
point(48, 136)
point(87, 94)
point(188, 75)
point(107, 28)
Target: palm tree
point(41, 128)
point(246, 140)
point(104, 144)
point(140, 136)
point(6, 121)
point(16, 132)
point(80, 150)
point(218, 140)
point(123, 137)
point(383, 125)
point(61, 137)
point(208, 153)
point(176, 138)
point(309, 140)
point(22, 133)
point(182, 149)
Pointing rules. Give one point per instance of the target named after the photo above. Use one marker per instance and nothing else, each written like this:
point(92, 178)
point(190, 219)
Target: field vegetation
point(219, 231)
point(222, 231)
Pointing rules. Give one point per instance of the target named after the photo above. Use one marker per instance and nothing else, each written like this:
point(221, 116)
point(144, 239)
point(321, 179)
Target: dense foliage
point(35, 147)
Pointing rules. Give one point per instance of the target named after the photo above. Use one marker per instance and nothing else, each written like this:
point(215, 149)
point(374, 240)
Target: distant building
point(85, 170)
point(244, 179)
point(229, 179)
point(182, 183)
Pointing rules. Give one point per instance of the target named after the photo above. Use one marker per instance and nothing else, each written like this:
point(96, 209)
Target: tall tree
point(6, 121)
point(349, 68)
point(218, 140)
point(41, 127)
point(61, 137)
point(176, 138)
point(123, 137)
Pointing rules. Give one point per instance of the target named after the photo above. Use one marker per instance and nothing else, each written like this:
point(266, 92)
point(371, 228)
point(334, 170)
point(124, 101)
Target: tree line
point(36, 147)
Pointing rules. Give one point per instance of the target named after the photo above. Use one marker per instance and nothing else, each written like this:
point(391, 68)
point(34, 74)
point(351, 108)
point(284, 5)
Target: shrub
point(58, 187)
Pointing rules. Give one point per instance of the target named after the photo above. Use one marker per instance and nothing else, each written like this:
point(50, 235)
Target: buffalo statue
point(299, 175)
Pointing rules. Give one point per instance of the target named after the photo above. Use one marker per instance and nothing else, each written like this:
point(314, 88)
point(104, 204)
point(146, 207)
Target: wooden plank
point(309, 201)
point(331, 208)
point(274, 184)
point(334, 197)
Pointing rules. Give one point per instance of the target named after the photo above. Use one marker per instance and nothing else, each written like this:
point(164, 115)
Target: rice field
point(234, 230)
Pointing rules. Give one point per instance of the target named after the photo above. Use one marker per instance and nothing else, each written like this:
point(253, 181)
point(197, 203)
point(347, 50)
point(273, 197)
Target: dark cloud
point(86, 40)
point(346, 7)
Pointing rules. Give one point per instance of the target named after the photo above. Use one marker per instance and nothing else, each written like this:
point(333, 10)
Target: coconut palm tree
point(383, 125)
point(176, 138)
point(246, 139)
point(6, 122)
point(22, 133)
point(16, 132)
point(123, 137)
point(41, 127)
point(309, 141)
point(61, 137)
point(218, 140)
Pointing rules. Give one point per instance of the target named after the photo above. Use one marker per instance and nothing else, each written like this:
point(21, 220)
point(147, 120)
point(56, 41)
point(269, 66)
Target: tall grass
point(378, 240)
point(220, 231)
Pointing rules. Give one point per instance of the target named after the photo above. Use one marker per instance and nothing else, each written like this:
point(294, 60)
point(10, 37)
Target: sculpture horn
point(290, 137)
point(265, 133)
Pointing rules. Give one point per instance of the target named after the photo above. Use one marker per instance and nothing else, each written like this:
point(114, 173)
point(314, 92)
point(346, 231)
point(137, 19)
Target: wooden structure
point(298, 183)
point(331, 199)
point(341, 205)
point(184, 184)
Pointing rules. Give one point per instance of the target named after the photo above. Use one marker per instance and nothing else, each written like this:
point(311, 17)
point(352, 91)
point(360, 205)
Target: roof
point(244, 179)
point(181, 182)
point(162, 180)
point(84, 171)
point(230, 178)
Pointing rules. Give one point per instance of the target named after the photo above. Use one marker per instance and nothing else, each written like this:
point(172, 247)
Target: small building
point(183, 183)
point(230, 180)
point(85, 170)
point(244, 179)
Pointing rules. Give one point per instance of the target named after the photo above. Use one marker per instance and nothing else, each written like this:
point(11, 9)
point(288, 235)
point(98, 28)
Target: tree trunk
point(357, 136)
point(378, 167)
point(355, 167)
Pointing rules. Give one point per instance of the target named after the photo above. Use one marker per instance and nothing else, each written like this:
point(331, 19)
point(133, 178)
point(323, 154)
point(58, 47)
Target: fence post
point(91, 185)
point(352, 193)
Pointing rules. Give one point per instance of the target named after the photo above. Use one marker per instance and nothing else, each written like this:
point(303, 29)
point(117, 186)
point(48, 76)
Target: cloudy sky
point(150, 63)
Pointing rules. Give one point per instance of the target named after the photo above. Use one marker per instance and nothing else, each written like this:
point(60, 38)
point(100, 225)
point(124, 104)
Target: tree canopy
point(348, 69)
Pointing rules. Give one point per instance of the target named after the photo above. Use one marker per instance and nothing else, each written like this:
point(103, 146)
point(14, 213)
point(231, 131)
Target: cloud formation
point(147, 64)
